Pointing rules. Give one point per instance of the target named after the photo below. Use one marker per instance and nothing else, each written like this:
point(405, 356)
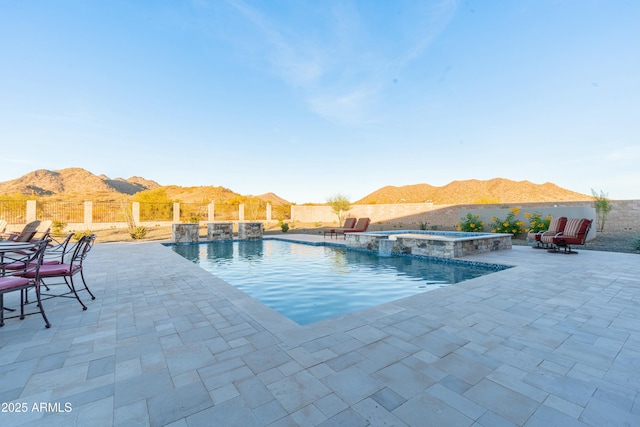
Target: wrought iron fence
point(13, 211)
point(225, 212)
point(110, 211)
point(156, 212)
point(61, 211)
point(194, 212)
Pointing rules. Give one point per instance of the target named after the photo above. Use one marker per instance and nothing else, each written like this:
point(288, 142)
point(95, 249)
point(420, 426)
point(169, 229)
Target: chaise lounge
point(361, 226)
point(349, 223)
point(556, 226)
point(575, 233)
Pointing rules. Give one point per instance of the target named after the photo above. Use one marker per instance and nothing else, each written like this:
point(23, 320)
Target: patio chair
point(17, 280)
point(42, 230)
point(544, 239)
point(361, 226)
point(67, 271)
point(3, 226)
point(575, 233)
point(349, 223)
point(26, 234)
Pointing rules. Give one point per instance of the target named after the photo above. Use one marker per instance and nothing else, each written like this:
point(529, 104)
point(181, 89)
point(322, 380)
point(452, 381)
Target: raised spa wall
point(423, 246)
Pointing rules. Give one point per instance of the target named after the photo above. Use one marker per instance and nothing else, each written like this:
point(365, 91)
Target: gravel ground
point(624, 241)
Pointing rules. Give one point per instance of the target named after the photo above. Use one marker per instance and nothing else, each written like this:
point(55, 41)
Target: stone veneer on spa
point(441, 244)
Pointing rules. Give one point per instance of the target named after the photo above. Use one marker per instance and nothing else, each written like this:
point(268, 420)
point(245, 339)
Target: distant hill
point(78, 183)
point(473, 191)
point(73, 182)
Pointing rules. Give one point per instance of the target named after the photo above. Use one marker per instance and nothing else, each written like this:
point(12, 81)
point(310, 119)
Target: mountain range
point(74, 183)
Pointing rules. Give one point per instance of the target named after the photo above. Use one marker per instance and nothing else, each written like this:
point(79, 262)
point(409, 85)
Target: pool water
point(311, 283)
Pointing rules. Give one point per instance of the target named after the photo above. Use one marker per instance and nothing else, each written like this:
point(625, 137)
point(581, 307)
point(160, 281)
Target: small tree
point(603, 207)
point(340, 205)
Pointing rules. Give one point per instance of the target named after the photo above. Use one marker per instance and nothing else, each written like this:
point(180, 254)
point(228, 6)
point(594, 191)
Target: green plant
point(603, 207)
point(80, 234)
point(340, 205)
point(510, 225)
point(57, 227)
point(138, 232)
point(424, 225)
point(536, 222)
point(470, 223)
point(194, 219)
point(284, 227)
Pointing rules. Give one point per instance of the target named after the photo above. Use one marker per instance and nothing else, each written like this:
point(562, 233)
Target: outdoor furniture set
point(563, 233)
point(28, 263)
point(350, 226)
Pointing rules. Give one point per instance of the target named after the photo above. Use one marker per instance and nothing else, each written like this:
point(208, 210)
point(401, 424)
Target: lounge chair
point(556, 225)
point(349, 223)
point(3, 226)
point(26, 234)
point(575, 233)
point(361, 226)
point(42, 230)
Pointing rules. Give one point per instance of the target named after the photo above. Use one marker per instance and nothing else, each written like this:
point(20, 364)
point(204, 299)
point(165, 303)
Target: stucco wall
point(625, 215)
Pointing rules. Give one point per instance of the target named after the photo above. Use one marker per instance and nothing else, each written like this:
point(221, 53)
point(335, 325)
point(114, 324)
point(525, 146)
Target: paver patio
point(553, 341)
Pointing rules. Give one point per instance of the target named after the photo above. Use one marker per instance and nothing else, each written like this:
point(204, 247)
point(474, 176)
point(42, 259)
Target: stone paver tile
point(571, 389)
point(376, 414)
point(346, 418)
point(254, 392)
point(308, 416)
point(425, 410)
point(388, 398)
point(178, 403)
point(503, 401)
point(134, 414)
point(143, 386)
point(403, 380)
point(224, 393)
point(549, 417)
point(269, 412)
point(352, 384)
point(601, 413)
point(457, 401)
point(298, 391)
point(98, 413)
point(330, 405)
point(266, 358)
point(462, 368)
point(234, 412)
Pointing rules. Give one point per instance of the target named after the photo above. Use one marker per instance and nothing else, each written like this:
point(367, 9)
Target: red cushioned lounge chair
point(575, 233)
point(556, 225)
point(361, 226)
point(349, 223)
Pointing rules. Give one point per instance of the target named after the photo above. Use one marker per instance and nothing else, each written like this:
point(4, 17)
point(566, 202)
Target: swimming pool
point(311, 283)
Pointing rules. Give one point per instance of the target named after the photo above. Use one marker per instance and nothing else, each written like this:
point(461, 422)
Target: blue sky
point(308, 99)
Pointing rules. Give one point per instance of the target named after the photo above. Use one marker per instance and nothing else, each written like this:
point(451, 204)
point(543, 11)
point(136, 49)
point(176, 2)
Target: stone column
point(135, 212)
point(211, 212)
point(88, 214)
point(176, 212)
point(268, 211)
point(241, 212)
point(185, 233)
point(31, 210)
point(250, 230)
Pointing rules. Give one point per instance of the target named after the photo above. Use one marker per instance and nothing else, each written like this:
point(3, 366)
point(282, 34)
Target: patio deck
point(553, 341)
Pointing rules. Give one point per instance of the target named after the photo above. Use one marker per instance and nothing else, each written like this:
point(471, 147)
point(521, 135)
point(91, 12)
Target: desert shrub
point(284, 227)
point(510, 225)
point(57, 227)
point(138, 232)
point(470, 223)
point(536, 222)
point(80, 234)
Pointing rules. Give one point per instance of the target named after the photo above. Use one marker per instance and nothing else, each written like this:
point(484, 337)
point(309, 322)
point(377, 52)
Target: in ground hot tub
point(442, 244)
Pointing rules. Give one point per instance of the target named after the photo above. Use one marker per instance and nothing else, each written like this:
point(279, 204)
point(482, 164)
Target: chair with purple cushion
point(67, 271)
point(17, 280)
